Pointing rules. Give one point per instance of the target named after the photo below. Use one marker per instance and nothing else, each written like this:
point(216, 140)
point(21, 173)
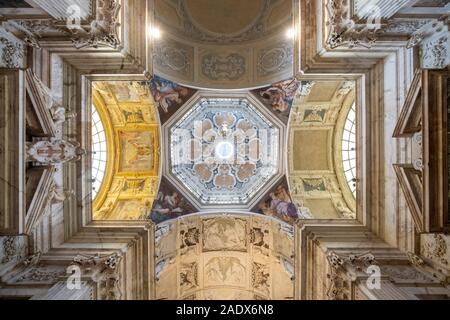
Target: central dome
point(224, 150)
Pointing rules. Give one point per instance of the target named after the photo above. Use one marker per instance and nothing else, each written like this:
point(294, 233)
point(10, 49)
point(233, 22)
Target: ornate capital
point(104, 271)
point(12, 51)
point(436, 52)
point(103, 30)
point(343, 31)
point(344, 271)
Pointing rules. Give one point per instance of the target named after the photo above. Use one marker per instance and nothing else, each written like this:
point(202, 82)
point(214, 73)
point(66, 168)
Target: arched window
point(99, 152)
point(349, 149)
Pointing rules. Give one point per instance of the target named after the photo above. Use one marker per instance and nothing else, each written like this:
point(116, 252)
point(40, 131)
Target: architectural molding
point(345, 270)
point(104, 271)
point(424, 179)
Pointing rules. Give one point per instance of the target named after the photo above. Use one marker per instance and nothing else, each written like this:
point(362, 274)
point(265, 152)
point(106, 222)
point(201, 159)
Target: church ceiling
point(131, 124)
point(224, 44)
point(169, 96)
point(228, 256)
point(315, 170)
point(227, 21)
point(223, 149)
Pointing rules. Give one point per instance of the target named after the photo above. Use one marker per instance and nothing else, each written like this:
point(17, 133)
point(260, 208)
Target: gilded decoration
point(131, 125)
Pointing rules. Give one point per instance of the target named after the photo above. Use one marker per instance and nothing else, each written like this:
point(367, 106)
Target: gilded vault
point(132, 169)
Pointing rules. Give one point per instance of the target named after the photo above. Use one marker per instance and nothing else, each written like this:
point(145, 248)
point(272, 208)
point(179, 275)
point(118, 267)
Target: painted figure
point(281, 95)
point(279, 205)
point(168, 94)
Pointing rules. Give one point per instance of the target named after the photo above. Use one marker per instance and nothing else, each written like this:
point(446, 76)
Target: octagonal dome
point(224, 150)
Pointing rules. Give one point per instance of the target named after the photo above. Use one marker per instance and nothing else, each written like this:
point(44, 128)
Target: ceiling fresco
point(169, 203)
point(279, 97)
point(223, 150)
point(224, 256)
point(169, 96)
point(226, 44)
point(315, 171)
point(226, 21)
point(278, 203)
point(131, 126)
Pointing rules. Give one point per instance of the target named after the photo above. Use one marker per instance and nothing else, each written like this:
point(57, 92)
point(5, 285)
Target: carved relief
point(343, 31)
point(405, 274)
point(41, 274)
point(12, 52)
point(311, 185)
point(346, 88)
point(224, 233)
point(345, 270)
point(403, 26)
point(225, 271)
point(190, 235)
point(13, 249)
point(188, 277)
point(45, 100)
point(237, 260)
point(435, 53)
point(274, 60)
point(104, 271)
point(305, 88)
point(259, 239)
point(217, 67)
point(53, 151)
point(261, 277)
point(434, 247)
point(174, 57)
point(34, 30)
point(103, 30)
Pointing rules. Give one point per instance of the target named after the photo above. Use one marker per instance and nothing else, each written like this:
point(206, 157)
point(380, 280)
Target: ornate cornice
point(344, 270)
point(105, 271)
point(343, 31)
point(13, 53)
point(103, 31)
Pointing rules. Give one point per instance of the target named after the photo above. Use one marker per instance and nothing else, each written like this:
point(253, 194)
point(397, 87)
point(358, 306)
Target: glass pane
point(349, 149)
point(99, 149)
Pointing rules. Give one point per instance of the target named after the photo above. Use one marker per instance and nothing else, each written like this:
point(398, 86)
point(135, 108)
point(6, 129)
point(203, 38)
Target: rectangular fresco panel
point(137, 151)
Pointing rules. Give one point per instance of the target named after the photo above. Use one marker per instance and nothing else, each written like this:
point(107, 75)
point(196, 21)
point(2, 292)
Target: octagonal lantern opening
point(224, 150)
